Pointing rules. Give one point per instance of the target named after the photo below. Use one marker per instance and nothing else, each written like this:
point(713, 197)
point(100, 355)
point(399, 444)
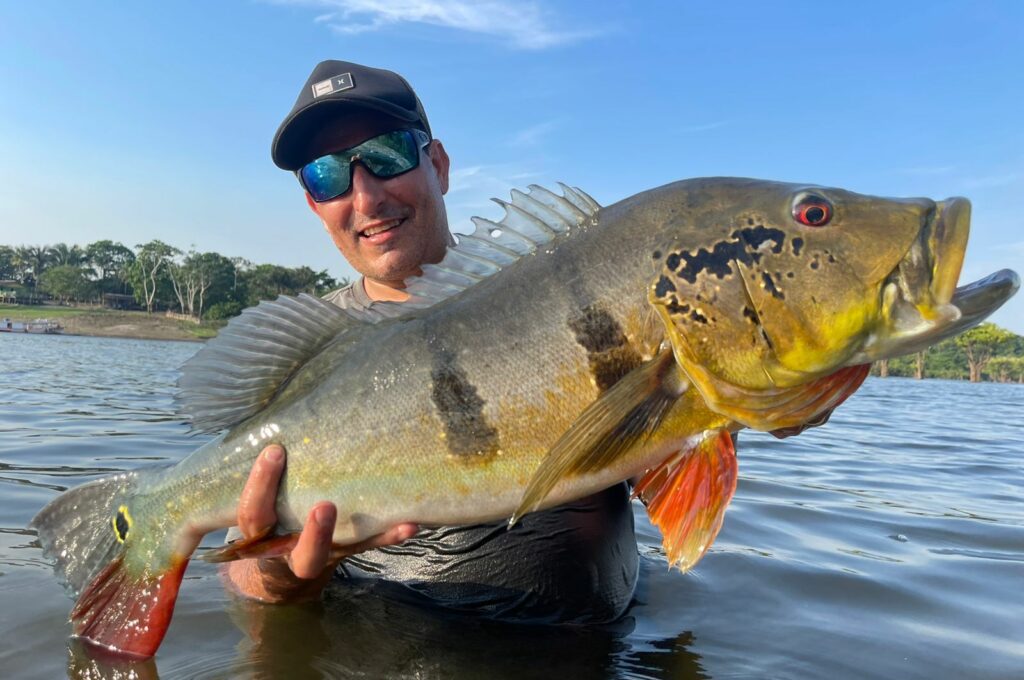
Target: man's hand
point(302, 574)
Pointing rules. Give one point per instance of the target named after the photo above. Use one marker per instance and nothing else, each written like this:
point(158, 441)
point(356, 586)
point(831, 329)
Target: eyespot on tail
point(686, 497)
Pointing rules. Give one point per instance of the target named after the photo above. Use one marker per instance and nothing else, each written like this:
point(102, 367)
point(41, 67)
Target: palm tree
point(62, 254)
point(31, 262)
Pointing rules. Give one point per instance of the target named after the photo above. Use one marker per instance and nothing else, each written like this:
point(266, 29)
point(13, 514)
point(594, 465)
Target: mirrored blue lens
point(326, 177)
point(386, 155)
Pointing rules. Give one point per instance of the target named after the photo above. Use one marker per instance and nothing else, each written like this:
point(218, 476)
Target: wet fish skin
point(524, 382)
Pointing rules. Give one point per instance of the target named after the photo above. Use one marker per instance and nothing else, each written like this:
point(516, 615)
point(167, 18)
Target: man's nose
point(367, 190)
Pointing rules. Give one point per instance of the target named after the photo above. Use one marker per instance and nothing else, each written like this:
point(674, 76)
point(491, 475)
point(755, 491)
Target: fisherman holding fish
point(360, 144)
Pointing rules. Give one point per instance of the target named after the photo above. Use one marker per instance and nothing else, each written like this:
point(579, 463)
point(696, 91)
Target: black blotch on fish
point(769, 285)
point(664, 287)
point(467, 432)
point(798, 244)
point(814, 264)
point(742, 247)
point(657, 255)
point(750, 314)
point(675, 308)
point(609, 353)
point(698, 317)
point(121, 525)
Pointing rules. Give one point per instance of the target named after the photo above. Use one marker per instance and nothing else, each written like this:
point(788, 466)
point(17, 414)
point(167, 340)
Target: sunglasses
point(387, 155)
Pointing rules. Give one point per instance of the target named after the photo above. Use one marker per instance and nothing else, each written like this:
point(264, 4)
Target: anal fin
point(621, 419)
point(686, 497)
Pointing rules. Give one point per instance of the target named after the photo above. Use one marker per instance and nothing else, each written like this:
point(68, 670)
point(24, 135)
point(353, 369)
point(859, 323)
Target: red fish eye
point(813, 211)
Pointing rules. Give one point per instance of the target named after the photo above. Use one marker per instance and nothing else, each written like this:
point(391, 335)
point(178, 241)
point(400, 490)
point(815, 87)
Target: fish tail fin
point(686, 497)
point(125, 582)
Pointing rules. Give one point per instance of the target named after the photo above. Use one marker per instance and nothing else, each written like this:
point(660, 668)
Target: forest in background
point(210, 286)
point(153, 276)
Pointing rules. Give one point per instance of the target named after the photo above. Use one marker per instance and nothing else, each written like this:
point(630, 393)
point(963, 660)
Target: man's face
point(386, 228)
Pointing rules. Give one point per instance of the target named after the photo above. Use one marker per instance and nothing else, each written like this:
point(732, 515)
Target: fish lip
point(920, 301)
point(920, 288)
point(969, 305)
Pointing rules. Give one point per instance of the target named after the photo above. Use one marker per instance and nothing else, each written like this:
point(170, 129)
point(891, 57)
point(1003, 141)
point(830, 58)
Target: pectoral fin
point(621, 419)
point(265, 545)
point(686, 497)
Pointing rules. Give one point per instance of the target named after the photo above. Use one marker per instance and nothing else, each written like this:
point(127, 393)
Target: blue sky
point(135, 121)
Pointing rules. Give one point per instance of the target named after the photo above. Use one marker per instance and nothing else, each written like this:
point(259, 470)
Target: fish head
point(792, 283)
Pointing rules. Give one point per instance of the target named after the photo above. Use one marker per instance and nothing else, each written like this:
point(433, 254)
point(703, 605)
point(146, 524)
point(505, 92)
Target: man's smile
point(378, 231)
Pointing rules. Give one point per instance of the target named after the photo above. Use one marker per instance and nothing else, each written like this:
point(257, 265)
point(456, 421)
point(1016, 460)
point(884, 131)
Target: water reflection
point(366, 629)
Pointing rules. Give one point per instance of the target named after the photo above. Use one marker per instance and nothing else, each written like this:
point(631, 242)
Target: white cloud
point(532, 135)
point(525, 25)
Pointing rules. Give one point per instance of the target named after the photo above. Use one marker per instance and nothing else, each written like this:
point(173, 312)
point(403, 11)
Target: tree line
point(155, 275)
point(986, 352)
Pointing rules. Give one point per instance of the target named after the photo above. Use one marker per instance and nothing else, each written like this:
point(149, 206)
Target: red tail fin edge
point(128, 614)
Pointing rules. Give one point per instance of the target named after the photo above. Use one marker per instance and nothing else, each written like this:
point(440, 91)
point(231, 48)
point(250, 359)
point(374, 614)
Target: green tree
point(1007, 369)
point(199, 278)
point(8, 270)
point(63, 254)
point(110, 261)
point(980, 344)
point(149, 270)
point(65, 282)
point(32, 261)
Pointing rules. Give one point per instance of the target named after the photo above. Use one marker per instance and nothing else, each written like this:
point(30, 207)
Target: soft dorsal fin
point(239, 372)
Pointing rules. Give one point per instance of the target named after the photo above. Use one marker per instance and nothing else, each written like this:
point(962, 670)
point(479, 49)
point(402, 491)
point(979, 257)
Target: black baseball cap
point(336, 90)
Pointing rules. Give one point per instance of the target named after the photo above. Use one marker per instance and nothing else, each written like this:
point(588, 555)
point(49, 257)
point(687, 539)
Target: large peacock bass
point(548, 356)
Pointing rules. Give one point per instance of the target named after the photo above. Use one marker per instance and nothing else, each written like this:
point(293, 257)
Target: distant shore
point(108, 323)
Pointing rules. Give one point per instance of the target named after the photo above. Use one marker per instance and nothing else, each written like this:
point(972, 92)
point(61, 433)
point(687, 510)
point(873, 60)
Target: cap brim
point(291, 143)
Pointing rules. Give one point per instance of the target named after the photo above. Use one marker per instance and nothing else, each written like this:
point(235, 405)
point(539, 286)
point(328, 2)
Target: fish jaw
point(921, 303)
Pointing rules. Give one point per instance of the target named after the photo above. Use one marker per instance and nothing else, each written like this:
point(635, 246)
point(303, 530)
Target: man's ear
point(312, 204)
point(439, 160)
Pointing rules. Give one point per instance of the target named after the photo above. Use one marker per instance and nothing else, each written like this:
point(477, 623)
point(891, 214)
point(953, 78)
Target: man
point(359, 141)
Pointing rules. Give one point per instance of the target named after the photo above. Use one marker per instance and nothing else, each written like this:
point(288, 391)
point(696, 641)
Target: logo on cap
point(336, 84)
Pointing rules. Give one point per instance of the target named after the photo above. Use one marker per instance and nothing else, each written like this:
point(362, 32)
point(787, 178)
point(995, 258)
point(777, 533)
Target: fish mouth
point(921, 303)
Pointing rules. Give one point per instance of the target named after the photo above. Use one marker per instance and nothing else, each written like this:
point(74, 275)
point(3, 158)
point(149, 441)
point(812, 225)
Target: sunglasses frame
point(420, 139)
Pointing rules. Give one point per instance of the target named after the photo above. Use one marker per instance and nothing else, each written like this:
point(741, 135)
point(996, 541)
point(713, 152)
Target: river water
point(887, 544)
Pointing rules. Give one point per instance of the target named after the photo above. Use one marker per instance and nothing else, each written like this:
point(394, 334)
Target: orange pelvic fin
point(125, 613)
point(265, 545)
point(686, 497)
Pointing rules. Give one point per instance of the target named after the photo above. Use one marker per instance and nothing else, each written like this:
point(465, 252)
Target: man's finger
point(313, 551)
point(256, 507)
point(396, 534)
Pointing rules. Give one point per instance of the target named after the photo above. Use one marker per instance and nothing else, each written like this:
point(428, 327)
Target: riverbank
point(111, 323)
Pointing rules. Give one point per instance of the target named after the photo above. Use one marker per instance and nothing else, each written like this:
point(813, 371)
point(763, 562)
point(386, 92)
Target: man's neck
point(384, 291)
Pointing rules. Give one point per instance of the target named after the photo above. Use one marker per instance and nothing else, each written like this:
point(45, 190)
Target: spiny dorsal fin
point(239, 372)
point(531, 220)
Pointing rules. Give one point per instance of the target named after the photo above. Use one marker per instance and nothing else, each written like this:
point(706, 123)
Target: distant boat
point(37, 326)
